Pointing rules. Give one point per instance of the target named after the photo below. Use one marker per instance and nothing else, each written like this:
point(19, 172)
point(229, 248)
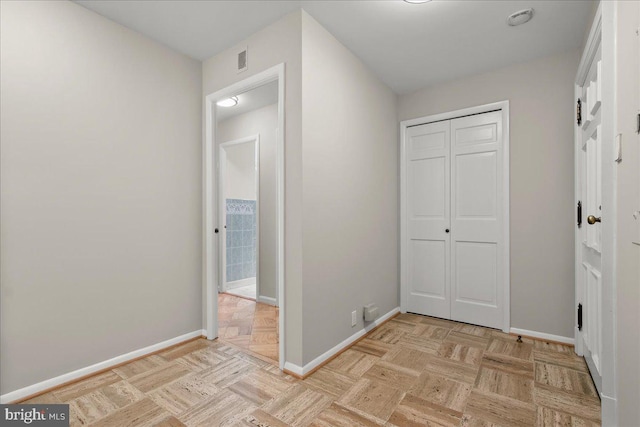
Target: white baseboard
point(239, 283)
point(542, 336)
point(304, 370)
point(267, 300)
point(609, 414)
point(82, 372)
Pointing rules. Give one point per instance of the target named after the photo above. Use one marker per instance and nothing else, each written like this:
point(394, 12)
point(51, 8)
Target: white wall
point(628, 201)
point(101, 189)
point(542, 212)
point(263, 121)
point(240, 176)
point(278, 43)
point(350, 186)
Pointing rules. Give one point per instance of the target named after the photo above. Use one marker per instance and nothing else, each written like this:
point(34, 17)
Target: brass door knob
point(592, 219)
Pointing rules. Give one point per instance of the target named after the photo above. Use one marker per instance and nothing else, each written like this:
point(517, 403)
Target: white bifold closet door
point(454, 219)
point(428, 200)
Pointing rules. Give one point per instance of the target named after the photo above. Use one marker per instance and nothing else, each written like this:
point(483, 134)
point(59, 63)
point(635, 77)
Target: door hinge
point(638, 123)
point(579, 317)
point(579, 214)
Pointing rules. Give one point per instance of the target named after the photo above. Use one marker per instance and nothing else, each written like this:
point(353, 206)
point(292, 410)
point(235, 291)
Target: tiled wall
point(241, 239)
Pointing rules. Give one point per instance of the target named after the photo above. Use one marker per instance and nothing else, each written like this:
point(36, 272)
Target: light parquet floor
point(249, 325)
point(412, 371)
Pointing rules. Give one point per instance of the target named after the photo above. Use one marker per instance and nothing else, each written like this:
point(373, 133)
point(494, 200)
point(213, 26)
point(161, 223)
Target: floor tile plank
point(297, 406)
point(260, 386)
point(414, 411)
point(546, 417)
point(372, 397)
point(223, 409)
point(565, 379)
point(332, 383)
point(441, 391)
point(505, 384)
point(143, 412)
point(393, 375)
point(158, 377)
point(338, 416)
point(500, 410)
point(508, 364)
point(77, 389)
point(352, 362)
point(573, 404)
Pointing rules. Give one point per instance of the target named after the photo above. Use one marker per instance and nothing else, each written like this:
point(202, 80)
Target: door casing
point(503, 106)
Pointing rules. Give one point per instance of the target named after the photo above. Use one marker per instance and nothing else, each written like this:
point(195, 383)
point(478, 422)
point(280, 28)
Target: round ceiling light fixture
point(228, 102)
point(520, 17)
point(417, 1)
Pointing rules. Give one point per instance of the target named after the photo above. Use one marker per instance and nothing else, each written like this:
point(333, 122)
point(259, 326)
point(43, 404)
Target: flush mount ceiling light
point(417, 1)
point(520, 17)
point(228, 102)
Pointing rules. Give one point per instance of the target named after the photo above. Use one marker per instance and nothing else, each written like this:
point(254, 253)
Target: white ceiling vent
point(242, 60)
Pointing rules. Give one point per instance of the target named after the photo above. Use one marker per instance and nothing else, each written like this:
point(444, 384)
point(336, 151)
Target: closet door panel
point(476, 219)
point(428, 214)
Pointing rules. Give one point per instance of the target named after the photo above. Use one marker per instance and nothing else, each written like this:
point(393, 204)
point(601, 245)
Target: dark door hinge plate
point(579, 317)
point(579, 214)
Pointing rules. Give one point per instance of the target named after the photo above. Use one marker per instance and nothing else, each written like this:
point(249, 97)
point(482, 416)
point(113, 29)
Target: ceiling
point(409, 46)
point(252, 100)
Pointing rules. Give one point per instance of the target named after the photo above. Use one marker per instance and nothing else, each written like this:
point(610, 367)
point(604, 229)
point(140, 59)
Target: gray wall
point(240, 176)
point(101, 187)
point(542, 212)
point(263, 121)
point(350, 180)
point(278, 43)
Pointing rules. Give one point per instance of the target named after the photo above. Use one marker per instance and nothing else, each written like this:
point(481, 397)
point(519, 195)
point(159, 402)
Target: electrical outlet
point(354, 318)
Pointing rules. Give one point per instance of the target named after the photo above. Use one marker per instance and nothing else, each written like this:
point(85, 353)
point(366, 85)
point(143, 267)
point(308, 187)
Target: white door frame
point(404, 250)
point(211, 220)
point(222, 161)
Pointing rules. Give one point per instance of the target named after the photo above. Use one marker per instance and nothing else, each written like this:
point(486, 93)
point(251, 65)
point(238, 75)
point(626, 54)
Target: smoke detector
point(520, 17)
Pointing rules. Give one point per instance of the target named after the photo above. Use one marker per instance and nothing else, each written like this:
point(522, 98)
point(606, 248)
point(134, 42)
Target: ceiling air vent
point(242, 60)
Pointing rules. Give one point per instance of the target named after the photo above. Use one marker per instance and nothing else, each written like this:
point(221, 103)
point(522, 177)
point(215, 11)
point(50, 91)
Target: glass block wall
point(241, 239)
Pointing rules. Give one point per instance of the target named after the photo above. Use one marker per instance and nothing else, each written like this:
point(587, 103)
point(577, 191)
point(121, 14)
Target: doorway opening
point(244, 215)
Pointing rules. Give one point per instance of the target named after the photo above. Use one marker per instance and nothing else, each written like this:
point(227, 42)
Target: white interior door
point(428, 209)
point(589, 176)
point(477, 289)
